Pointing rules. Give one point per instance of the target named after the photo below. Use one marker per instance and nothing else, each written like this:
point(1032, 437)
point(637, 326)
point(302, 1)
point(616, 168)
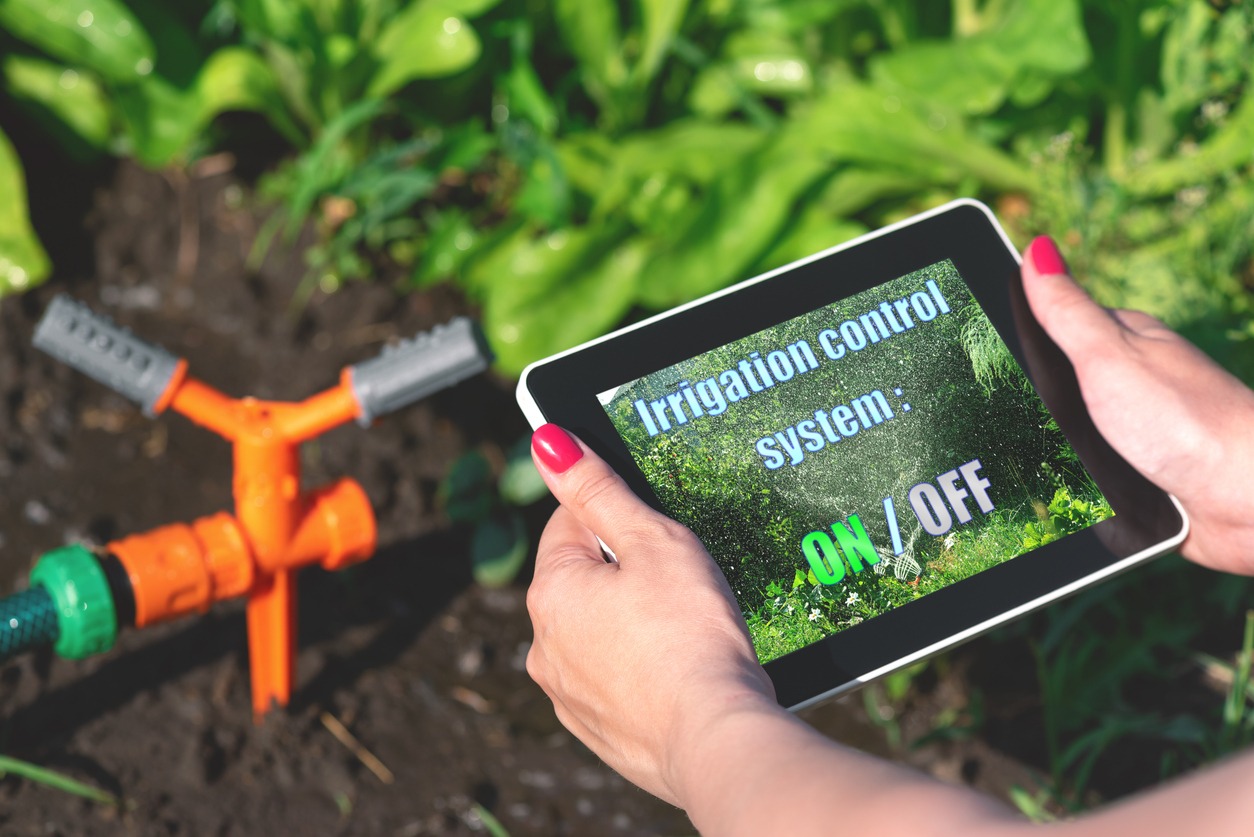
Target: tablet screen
point(853, 459)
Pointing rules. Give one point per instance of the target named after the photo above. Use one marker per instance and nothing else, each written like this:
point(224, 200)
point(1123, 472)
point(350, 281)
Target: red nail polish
point(1044, 256)
point(555, 448)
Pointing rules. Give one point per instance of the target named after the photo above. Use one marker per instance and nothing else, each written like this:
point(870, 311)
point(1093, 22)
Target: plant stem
point(1235, 707)
point(1047, 712)
point(52, 779)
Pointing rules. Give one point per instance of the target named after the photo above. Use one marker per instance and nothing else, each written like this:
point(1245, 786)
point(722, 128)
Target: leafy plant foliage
point(568, 163)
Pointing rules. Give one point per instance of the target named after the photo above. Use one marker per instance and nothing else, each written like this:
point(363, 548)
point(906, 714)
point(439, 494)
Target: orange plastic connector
point(276, 529)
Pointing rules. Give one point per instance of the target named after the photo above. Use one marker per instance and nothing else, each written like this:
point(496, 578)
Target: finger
point(1068, 314)
point(565, 541)
point(595, 494)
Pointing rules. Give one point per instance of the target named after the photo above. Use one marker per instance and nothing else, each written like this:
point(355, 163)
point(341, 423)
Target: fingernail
point(555, 448)
point(1044, 256)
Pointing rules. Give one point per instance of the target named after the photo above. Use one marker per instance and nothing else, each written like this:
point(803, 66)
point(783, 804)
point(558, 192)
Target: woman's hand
point(1170, 411)
point(648, 662)
point(643, 656)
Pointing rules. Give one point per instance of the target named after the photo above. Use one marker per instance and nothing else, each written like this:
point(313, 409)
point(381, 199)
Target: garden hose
point(28, 620)
point(72, 605)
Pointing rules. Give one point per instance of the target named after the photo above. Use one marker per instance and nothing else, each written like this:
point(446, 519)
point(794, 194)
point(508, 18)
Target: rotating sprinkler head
point(78, 599)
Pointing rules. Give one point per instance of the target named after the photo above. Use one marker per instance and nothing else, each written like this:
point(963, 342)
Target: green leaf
point(294, 80)
point(1032, 806)
point(545, 195)
point(426, 40)
point(686, 151)
point(590, 30)
point(23, 262)
point(73, 99)
point(466, 492)
point(734, 222)
point(1227, 150)
point(100, 35)
point(660, 24)
point(544, 294)
point(525, 96)
point(164, 119)
point(55, 780)
point(315, 171)
point(963, 78)
point(161, 119)
point(521, 484)
point(236, 78)
point(178, 46)
point(715, 91)
point(498, 549)
point(767, 62)
point(853, 122)
point(273, 20)
point(975, 74)
point(450, 241)
point(854, 189)
point(724, 86)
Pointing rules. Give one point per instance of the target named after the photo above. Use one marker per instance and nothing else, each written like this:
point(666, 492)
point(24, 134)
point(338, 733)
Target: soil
point(423, 666)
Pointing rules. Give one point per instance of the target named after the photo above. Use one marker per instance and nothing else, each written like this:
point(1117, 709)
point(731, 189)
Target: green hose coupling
point(77, 584)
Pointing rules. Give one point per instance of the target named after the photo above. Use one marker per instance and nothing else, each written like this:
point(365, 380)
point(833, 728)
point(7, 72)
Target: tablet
point(878, 444)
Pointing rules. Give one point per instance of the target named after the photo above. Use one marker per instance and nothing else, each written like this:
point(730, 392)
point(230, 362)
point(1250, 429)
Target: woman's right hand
point(1169, 410)
point(643, 657)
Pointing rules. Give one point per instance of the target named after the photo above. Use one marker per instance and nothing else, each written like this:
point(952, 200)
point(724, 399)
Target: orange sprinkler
point(277, 527)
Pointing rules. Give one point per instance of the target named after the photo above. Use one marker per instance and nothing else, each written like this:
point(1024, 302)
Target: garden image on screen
point(857, 457)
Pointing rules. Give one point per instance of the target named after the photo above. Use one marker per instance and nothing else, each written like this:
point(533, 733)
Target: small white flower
point(789, 608)
point(949, 541)
point(814, 614)
point(853, 598)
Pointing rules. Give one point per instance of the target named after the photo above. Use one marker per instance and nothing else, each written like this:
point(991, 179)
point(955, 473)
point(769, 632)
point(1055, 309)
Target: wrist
point(710, 728)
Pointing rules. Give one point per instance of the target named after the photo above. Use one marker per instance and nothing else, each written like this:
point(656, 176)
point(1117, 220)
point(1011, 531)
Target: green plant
point(1099, 657)
point(140, 79)
point(23, 262)
point(1064, 514)
point(490, 823)
point(1237, 728)
point(132, 78)
point(490, 502)
point(883, 700)
point(106, 77)
point(55, 780)
point(567, 164)
point(370, 151)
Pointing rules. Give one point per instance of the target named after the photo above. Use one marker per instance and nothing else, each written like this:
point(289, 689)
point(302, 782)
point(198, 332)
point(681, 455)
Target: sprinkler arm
point(152, 377)
point(277, 528)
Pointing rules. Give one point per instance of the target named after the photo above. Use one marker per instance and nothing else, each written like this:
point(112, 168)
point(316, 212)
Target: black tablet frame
point(563, 389)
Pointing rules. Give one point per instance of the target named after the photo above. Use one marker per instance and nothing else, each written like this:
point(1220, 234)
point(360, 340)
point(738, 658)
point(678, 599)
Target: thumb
point(591, 490)
point(1069, 315)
